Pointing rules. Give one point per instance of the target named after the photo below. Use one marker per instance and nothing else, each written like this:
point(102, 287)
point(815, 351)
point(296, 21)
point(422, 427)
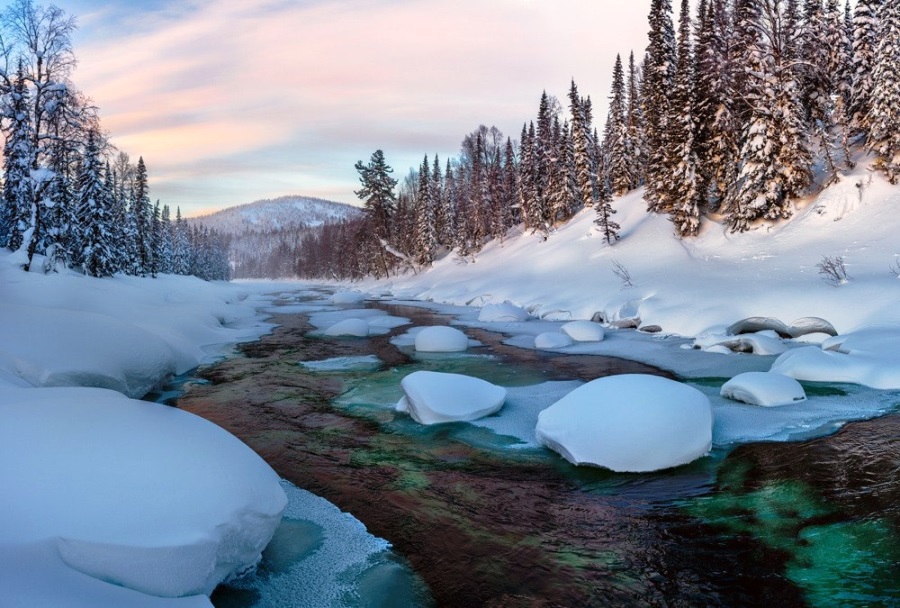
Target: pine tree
point(634, 140)
point(585, 151)
point(659, 80)
point(166, 242)
point(883, 118)
point(865, 48)
point(19, 161)
point(605, 212)
point(181, 245)
point(684, 187)
point(424, 218)
point(141, 213)
point(378, 194)
point(96, 251)
point(615, 139)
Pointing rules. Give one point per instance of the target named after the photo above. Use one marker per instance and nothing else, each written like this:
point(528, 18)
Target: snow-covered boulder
point(441, 339)
point(358, 328)
point(629, 423)
point(583, 331)
point(751, 325)
point(345, 298)
point(434, 397)
point(140, 495)
point(811, 325)
point(550, 340)
point(505, 312)
point(763, 388)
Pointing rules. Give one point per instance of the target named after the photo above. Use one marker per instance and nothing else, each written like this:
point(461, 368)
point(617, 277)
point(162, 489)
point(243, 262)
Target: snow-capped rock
point(345, 298)
point(550, 340)
point(763, 388)
point(441, 339)
point(583, 331)
point(358, 328)
point(434, 397)
point(629, 423)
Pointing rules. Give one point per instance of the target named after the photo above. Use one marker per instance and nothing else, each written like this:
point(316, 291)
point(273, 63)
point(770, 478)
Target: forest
point(69, 196)
point(730, 118)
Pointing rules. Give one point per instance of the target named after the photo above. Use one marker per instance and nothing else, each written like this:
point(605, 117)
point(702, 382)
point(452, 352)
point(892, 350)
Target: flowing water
point(485, 521)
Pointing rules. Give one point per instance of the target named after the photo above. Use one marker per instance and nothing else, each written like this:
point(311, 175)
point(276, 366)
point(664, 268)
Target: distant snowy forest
point(68, 195)
point(730, 118)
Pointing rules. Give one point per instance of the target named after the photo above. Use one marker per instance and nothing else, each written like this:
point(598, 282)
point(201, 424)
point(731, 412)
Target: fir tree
point(424, 218)
point(585, 150)
point(615, 140)
point(141, 213)
point(377, 192)
point(604, 209)
point(634, 140)
point(19, 161)
point(659, 80)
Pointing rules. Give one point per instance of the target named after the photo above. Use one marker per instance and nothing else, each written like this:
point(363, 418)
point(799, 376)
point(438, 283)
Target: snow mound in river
point(629, 423)
point(434, 397)
point(440, 339)
point(763, 388)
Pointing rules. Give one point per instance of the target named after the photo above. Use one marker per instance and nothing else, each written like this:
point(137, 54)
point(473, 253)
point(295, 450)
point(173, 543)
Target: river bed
point(482, 521)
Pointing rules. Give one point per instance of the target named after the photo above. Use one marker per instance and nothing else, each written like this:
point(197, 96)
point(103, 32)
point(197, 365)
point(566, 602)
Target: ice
point(441, 339)
point(344, 364)
point(521, 408)
point(133, 493)
point(358, 328)
point(583, 331)
point(763, 388)
point(493, 313)
point(435, 397)
point(552, 340)
point(629, 423)
point(347, 297)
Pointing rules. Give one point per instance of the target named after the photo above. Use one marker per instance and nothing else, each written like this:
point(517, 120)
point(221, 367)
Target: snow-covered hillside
point(697, 285)
point(283, 213)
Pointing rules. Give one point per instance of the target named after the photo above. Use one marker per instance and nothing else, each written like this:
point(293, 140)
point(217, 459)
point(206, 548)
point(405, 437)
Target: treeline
point(67, 194)
point(723, 119)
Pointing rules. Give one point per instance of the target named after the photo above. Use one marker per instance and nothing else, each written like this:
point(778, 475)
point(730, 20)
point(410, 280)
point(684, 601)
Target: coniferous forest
point(727, 118)
point(69, 196)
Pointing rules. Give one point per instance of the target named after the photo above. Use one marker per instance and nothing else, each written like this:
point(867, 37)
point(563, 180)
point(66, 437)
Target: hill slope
point(694, 285)
point(283, 213)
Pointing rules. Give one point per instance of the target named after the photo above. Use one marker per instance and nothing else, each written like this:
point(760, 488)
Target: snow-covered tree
point(377, 192)
point(615, 136)
point(424, 217)
point(586, 165)
point(659, 80)
point(96, 251)
point(19, 155)
point(883, 118)
point(865, 48)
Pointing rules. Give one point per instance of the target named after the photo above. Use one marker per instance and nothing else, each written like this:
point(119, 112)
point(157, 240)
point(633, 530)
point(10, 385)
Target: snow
point(435, 397)
point(347, 297)
point(583, 331)
point(629, 423)
point(552, 340)
point(761, 343)
point(440, 339)
point(104, 461)
point(763, 388)
point(358, 328)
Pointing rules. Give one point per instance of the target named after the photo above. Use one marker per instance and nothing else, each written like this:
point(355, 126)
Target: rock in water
point(629, 423)
point(763, 388)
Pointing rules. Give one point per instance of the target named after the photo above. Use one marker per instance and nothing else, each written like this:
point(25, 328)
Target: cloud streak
point(233, 100)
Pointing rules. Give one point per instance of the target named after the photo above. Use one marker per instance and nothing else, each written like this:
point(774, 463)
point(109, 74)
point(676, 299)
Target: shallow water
point(487, 521)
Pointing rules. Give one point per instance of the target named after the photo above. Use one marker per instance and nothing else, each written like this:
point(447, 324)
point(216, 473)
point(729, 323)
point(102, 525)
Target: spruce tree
point(659, 80)
point(615, 139)
point(424, 218)
point(604, 209)
point(634, 123)
point(585, 150)
point(377, 192)
point(141, 213)
point(865, 48)
point(19, 161)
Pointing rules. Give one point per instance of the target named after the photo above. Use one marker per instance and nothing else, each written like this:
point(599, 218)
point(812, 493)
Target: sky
point(231, 101)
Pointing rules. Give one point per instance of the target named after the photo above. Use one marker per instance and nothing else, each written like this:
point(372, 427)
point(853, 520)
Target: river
point(811, 523)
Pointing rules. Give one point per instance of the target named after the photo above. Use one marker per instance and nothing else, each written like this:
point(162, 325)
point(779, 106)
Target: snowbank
point(505, 311)
point(136, 494)
point(434, 397)
point(763, 388)
point(440, 339)
point(552, 340)
point(629, 423)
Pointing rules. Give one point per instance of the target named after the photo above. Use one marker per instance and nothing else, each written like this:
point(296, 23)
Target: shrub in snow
point(493, 313)
point(583, 331)
point(358, 328)
point(833, 270)
point(551, 340)
point(141, 495)
point(434, 397)
point(629, 423)
point(347, 297)
point(440, 339)
point(763, 388)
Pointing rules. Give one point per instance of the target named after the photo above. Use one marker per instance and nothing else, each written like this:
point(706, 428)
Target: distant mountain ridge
point(282, 213)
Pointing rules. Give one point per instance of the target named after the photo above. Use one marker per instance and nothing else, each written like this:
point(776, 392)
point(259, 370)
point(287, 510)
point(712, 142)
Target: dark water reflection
point(813, 523)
